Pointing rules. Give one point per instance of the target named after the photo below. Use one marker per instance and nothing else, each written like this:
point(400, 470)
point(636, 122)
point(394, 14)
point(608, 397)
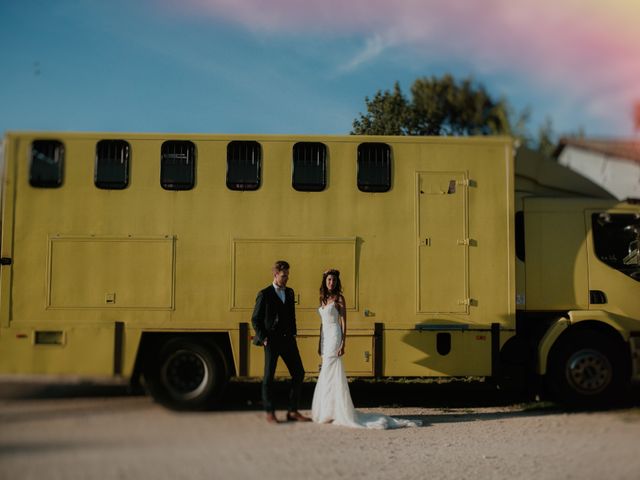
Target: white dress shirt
point(279, 291)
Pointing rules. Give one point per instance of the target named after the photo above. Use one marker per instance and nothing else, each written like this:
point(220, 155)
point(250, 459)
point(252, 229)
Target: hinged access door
point(442, 242)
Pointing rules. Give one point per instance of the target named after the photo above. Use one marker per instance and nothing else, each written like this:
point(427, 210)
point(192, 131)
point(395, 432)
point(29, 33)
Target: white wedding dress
point(331, 398)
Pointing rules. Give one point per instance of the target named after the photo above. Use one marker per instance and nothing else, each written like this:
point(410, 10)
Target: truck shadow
point(24, 388)
point(451, 397)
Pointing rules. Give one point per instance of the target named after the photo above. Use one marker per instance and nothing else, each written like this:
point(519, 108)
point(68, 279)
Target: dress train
point(331, 397)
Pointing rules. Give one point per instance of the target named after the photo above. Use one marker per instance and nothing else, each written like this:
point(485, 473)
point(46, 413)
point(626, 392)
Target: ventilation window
point(47, 164)
point(49, 338)
point(112, 164)
point(309, 166)
point(177, 165)
point(244, 160)
point(374, 167)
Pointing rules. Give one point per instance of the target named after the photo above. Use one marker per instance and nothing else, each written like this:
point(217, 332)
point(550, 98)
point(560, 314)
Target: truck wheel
point(188, 375)
point(586, 369)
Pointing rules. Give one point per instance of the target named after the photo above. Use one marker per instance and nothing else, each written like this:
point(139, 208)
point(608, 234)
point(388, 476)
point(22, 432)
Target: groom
point(274, 320)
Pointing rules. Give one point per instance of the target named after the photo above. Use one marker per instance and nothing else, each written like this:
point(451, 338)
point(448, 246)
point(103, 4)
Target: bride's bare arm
point(342, 308)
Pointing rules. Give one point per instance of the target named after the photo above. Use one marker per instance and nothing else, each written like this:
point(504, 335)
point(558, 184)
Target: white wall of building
point(619, 176)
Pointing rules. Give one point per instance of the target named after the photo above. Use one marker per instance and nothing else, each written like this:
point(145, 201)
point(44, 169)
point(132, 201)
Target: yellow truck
point(140, 255)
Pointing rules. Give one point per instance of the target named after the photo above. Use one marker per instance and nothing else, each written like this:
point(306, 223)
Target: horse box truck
point(140, 256)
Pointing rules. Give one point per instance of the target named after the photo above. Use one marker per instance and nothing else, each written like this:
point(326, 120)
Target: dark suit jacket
point(271, 316)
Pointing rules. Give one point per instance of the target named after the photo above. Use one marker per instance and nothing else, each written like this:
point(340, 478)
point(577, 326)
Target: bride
point(331, 399)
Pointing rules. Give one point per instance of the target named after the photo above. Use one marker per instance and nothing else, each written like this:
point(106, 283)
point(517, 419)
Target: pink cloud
point(568, 33)
point(577, 46)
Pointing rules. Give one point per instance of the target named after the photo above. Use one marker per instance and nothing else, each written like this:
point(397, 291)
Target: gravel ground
point(87, 431)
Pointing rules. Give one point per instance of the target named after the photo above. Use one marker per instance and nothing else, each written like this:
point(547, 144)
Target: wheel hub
point(185, 374)
point(589, 371)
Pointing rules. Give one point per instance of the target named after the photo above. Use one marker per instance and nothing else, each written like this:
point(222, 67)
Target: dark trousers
point(287, 348)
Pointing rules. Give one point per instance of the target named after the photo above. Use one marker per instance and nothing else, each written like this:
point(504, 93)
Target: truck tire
point(586, 369)
point(187, 374)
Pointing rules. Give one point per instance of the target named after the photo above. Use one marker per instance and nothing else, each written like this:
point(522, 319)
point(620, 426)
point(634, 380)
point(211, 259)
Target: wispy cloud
point(581, 47)
point(539, 35)
point(374, 47)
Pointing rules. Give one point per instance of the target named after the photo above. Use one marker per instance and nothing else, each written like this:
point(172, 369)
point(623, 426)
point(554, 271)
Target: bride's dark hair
point(325, 293)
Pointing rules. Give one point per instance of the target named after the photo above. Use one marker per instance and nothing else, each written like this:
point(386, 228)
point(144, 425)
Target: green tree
point(443, 106)
point(389, 113)
point(446, 106)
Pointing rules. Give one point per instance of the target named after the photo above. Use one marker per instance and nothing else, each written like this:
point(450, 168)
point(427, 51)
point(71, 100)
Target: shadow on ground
point(245, 395)
point(452, 394)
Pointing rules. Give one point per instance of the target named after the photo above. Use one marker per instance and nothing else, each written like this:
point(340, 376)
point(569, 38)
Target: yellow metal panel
point(91, 272)
point(442, 243)
point(253, 259)
point(547, 341)
point(358, 359)
point(412, 353)
point(255, 361)
point(83, 350)
point(130, 350)
point(359, 356)
point(556, 260)
point(7, 225)
point(308, 347)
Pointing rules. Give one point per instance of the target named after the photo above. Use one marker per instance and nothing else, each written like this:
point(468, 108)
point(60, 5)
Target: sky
point(306, 66)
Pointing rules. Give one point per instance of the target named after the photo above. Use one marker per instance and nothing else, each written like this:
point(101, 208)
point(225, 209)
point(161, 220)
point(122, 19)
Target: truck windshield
point(616, 239)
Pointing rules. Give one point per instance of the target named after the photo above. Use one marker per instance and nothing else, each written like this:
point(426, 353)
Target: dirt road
point(88, 432)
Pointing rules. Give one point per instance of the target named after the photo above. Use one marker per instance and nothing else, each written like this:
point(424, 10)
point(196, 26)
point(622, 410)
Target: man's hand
point(265, 342)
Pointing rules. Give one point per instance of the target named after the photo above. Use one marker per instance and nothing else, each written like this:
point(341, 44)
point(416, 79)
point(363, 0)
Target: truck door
point(442, 243)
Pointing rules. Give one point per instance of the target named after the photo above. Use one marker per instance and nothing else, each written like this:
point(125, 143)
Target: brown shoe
point(297, 417)
point(271, 418)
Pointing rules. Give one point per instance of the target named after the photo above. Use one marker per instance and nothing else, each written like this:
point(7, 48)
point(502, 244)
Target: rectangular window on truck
point(244, 159)
point(178, 165)
point(112, 164)
point(616, 240)
point(374, 167)
point(47, 164)
point(309, 166)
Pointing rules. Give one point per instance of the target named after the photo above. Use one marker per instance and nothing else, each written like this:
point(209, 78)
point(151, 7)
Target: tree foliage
point(389, 113)
point(446, 106)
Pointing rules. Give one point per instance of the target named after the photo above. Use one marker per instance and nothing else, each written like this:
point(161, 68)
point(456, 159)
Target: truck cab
point(582, 289)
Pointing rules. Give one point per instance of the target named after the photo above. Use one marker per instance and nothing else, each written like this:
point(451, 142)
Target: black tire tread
point(557, 384)
point(217, 363)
